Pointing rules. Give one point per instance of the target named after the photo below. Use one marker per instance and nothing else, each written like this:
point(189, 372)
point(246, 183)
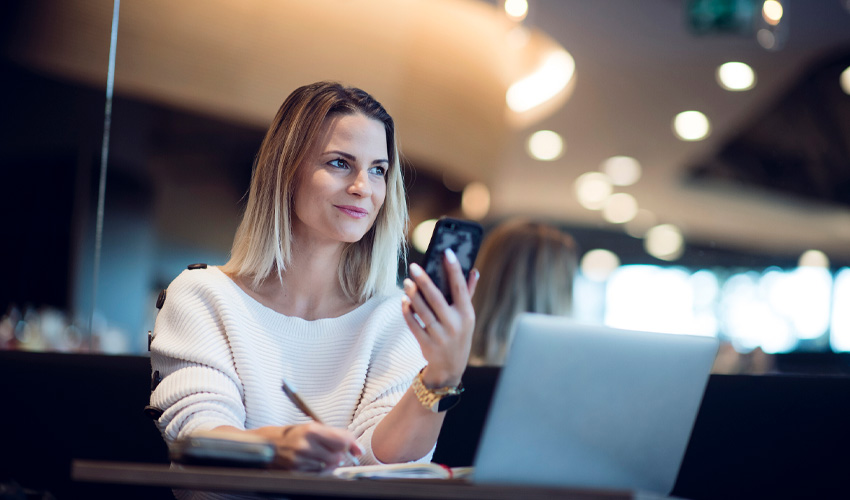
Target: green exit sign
point(722, 16)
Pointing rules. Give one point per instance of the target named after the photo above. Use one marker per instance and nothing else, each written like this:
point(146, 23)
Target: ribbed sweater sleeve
point(200, 388)
point(395, 360)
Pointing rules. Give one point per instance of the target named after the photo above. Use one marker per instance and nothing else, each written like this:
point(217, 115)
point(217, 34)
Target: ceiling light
point(772, 11)
point(664, 242)
point(475, 201)
point(550, 78)
point(736, 76)
point(691, 126)
point(622, 170)
point(620, 208)
point(598, 264)
point(516, 9)
point(844, 81)
point(422, 235)
point(593, 189)
point(545, 145)
point(814, 258)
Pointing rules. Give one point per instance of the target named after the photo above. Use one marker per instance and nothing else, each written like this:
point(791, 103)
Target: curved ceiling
point(443, 66)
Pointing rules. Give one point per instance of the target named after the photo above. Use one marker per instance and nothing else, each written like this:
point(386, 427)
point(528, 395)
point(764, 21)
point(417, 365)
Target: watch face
point(448, 402)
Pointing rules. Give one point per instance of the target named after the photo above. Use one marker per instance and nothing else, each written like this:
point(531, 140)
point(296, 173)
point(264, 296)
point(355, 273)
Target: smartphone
point(207, 448)
point(464, 238)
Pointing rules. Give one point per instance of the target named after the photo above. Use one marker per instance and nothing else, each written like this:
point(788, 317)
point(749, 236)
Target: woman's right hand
point(308, 447)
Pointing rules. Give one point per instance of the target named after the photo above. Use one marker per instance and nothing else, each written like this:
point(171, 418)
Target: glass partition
point(53, 130)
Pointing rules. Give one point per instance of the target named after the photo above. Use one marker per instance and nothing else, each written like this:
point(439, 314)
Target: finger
point(330, 439)
point(413, 322)
point(421, 311)
point(474, 276)
point(433, 296)
point(457, 283)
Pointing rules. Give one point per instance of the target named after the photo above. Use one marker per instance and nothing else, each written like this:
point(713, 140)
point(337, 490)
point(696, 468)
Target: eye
point(378, 170)
point(338, 163)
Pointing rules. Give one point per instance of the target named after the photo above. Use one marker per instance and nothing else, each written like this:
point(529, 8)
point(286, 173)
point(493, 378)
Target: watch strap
point(436, 400)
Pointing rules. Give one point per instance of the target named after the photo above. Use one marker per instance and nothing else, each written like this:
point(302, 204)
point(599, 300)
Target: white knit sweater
point(222, 357)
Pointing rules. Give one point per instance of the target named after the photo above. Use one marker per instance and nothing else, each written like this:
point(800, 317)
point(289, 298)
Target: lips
point(352, 211)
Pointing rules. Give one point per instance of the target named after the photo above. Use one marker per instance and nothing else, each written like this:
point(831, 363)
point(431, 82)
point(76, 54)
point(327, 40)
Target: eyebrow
point(349, 156)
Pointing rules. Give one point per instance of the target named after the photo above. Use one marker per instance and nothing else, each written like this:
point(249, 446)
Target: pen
point(297, 401)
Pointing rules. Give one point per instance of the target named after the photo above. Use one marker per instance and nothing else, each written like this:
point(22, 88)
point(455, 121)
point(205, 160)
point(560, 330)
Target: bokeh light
point(664, 242)
point(691, 126)
point(452, 182)
point(844, 80)
point(622, 170)
point(620, 208)
point(772, 12)
point(814, 258)
point(736, 76)
point(545, 145)
point(598, 264)
point(593, 189)
point(652, 298)
point(840, 328)
point(550, 78)
point(422, 235)
point(475, 200)
point(516, 9)
point(766, 39)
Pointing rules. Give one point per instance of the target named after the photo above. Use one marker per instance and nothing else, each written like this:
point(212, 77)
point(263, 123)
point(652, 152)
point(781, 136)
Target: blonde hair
point(263, 241)
point(525, 267)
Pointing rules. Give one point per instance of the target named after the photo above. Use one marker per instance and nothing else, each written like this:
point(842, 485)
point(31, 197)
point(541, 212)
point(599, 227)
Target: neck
point(309, 288)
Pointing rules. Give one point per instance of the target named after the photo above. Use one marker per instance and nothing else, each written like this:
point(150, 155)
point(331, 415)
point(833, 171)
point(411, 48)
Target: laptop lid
point(593, 406)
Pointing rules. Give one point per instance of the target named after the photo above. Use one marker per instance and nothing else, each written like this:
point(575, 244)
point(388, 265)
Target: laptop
point(593, 407)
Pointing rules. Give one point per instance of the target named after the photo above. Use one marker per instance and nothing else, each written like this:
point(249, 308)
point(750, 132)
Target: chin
point(351, 236)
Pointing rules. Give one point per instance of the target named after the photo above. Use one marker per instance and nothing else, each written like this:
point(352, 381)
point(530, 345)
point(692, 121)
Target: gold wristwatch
point(436, 400)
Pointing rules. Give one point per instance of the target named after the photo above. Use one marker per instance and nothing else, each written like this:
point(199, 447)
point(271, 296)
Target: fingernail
point(405, 300)
point(416, 269)
point(450, 255)
point(476, 273)
point(408, 284)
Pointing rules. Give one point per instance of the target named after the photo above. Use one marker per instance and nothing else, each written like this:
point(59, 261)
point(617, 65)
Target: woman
point(309, 296)
point(526, 267)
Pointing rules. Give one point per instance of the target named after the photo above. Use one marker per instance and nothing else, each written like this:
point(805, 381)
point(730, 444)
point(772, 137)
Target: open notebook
point(592, 406)
point(403, 471)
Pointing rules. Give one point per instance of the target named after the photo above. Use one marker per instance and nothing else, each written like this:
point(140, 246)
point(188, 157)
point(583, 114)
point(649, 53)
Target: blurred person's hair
point(525, 266)
point(263, 242)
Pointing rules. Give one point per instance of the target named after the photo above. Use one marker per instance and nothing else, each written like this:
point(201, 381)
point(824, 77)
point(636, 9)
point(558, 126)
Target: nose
point(360, 185)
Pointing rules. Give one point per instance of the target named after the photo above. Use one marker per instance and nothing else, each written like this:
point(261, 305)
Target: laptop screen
point(592, 406)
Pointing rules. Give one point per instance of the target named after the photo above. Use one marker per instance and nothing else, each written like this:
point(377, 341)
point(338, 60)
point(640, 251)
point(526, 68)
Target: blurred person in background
point(525, 266)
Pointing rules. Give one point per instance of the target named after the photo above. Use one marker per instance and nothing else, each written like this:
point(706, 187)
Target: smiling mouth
point(356, 212)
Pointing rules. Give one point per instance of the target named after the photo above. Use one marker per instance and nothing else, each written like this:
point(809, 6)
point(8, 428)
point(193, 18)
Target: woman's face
point(342, 185)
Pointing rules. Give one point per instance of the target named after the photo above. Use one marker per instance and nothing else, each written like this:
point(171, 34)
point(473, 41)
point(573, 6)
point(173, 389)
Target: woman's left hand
point(444, 331)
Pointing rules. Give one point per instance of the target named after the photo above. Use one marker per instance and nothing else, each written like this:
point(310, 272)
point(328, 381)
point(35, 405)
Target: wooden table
point(303, 484)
